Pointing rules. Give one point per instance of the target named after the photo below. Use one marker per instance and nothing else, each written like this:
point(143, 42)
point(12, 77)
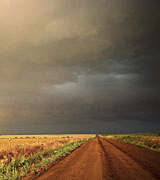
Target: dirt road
point(102, 159)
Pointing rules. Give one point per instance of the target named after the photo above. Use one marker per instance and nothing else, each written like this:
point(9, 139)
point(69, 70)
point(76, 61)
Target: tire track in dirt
point(109, 170)
point(101, 159)
point(149, 160)
point(84, 163)
point(126, 167)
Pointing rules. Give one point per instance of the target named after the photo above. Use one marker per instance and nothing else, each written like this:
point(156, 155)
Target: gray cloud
point(76, 65)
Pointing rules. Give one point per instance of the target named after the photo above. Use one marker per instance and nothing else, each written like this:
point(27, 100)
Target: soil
point(103, 159)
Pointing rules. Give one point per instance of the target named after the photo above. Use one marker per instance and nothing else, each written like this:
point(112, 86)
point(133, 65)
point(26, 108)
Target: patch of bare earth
point(102, 159)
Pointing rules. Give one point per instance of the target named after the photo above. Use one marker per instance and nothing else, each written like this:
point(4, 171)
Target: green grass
point(147, 140)
point(16, 168)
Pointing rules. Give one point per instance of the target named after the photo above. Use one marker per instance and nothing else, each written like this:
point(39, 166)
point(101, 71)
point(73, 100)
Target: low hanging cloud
point(77, 65)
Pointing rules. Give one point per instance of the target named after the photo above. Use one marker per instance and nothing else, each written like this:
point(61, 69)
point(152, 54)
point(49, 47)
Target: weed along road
point(103, 159)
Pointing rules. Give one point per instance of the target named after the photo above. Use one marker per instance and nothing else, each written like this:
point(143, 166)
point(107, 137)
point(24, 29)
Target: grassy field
point(12, 142)
point(147, 140)
point(20, 155)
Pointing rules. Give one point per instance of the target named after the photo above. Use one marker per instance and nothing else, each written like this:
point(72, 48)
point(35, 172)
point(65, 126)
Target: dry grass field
point(12, 142)
point(23, 154)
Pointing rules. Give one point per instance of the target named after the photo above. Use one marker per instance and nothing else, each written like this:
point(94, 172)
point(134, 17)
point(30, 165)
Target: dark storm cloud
point(73, 65)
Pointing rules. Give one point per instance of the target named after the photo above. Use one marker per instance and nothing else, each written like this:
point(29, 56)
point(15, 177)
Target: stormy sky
point(88, 66)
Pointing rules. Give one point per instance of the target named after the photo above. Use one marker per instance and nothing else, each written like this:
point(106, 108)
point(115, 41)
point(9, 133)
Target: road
point(102, 159)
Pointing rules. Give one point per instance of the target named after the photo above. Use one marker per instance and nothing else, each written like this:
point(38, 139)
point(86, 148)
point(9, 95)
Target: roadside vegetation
point(147, 140)
point(32, 160)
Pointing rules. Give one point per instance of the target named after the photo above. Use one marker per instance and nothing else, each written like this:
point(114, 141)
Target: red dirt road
point(102, 159)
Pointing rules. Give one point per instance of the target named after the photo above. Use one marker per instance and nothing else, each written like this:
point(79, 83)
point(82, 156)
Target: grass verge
point(148, 141)
point(17, 168)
